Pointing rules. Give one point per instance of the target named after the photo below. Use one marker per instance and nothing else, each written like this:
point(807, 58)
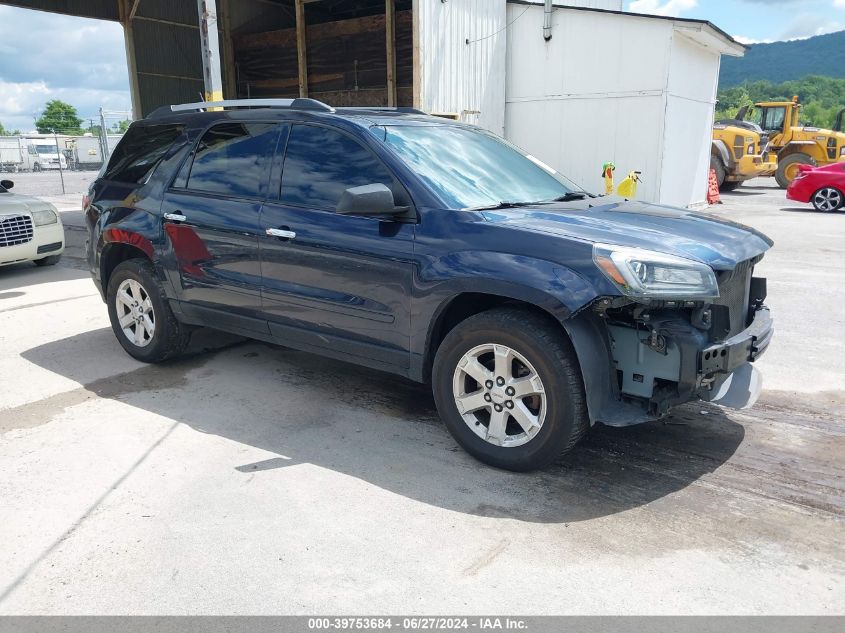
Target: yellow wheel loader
point(795, 144)
point(738, 153)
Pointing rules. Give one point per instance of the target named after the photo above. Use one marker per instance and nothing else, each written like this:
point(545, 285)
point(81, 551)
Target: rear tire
point(718, 166)
point(510, 349)
point(140, 314)
point(50, 260)
point(787, 168)
point(827, 199)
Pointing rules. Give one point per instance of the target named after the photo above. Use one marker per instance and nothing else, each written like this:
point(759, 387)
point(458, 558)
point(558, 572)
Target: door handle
point(288, 235)
point(175, 217)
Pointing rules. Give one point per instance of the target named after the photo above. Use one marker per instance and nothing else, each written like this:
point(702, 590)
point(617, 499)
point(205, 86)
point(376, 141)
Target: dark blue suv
point(430, 249)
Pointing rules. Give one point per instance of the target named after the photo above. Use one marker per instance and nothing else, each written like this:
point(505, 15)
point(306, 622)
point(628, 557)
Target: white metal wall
point(593, 93)
point(691, 103)
point(615, 88)
point(466, 79)
point(612, 5)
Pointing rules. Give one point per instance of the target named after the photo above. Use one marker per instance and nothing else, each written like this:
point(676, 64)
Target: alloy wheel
point(827, 199)
point(135, 313)
point(499, 395)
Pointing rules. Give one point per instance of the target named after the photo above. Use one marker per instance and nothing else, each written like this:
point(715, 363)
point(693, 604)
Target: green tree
point(2, 130)
point(121, 126)
point(59, 117)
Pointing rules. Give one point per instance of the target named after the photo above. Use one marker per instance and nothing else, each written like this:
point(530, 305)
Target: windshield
point(45, 149)
point(473, 168)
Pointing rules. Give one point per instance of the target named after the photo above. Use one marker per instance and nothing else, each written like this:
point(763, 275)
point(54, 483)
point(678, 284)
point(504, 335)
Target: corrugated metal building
point(637, 90)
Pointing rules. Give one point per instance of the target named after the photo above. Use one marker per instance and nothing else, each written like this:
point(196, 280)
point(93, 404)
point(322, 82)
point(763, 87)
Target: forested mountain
point(782, 61)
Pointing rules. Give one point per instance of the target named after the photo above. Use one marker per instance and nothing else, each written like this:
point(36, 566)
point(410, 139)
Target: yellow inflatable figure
point(607, 173)
point(628, 187)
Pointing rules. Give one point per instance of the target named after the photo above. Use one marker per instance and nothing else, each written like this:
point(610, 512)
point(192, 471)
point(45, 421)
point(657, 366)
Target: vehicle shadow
point(809, 209)
point(742, 193)
point(385, 430)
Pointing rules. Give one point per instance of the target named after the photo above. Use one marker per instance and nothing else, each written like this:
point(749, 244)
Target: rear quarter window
point(140, 150)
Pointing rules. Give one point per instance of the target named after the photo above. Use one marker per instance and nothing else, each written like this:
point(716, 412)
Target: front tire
point(827, 199)
point(730, 185)
point(140, 315)
point(788, 168)
point(508, 386)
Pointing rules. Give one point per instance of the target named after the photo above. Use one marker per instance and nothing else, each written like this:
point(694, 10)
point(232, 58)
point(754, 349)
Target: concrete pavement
point(253, 479)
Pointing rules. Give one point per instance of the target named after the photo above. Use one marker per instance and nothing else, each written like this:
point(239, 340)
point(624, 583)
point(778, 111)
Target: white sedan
point(30, 229)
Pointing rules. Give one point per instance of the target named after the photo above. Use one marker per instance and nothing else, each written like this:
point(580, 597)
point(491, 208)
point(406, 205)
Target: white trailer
point(87, 152)
point(12, 153)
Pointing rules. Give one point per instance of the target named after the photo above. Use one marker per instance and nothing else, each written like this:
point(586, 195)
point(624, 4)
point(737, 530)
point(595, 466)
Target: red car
point(823, 186)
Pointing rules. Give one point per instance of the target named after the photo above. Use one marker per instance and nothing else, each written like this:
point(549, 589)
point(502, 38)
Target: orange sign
point(713, 189)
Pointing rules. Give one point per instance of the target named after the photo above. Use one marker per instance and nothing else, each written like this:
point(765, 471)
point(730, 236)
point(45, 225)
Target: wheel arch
point(463, 305)
point(116, 252)
point(584, 330)
point(719, 149)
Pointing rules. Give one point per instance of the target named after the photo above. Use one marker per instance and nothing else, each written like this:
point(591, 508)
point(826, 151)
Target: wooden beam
point(230, 89)
point(301, 57)
point(323, 31)
point(390, 37)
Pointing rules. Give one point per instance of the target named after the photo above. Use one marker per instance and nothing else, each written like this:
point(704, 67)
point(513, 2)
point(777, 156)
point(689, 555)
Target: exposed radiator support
point(547, 20)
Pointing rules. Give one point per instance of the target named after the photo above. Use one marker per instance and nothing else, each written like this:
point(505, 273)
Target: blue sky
point(85, 63)
point(755, 20)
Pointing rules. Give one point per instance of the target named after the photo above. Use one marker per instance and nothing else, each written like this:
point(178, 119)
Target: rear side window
point(321, 163)
point(233, 159)
point(140, 150)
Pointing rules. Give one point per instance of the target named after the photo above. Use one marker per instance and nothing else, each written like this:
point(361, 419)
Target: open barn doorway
point(342, 52)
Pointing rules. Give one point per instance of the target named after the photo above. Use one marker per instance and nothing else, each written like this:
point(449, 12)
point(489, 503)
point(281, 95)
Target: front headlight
point(44, 216)
point(649, 274)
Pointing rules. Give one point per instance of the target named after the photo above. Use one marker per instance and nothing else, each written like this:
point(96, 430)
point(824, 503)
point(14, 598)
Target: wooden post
point(390, 36)
point(230, 88)
point(300, 48)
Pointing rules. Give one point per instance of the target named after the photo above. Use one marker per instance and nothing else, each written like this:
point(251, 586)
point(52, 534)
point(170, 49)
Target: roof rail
point(405, 109)
point(293, 104)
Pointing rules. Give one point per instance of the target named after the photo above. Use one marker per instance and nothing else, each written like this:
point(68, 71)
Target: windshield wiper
point(571, 195)
point(504, 204)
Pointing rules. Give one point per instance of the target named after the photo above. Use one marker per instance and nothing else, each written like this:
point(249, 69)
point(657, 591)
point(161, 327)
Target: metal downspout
point(547, 20)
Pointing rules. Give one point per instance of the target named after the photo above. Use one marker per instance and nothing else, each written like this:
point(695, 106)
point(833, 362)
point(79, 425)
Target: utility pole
point(59, 155)
point(104, 139)
point(210, 45)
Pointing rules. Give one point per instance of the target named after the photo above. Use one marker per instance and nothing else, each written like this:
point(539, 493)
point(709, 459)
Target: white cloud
point(47, 56)
point(749, 40)
point(806, 25)
point(663, 7)
point(839, 4)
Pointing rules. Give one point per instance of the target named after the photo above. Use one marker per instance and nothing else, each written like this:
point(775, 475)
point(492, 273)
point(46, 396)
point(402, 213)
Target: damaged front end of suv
point(681, 330)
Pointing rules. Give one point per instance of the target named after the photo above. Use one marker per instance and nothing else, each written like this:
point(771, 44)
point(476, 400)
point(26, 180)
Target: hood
point(15, 203)
point(720, 243)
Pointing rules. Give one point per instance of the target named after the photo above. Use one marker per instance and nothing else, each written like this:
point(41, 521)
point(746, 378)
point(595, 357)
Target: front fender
point(720, 148)
point(556, 289)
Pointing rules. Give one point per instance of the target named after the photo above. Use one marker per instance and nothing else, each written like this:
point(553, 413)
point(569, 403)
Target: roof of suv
point(201, 113)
